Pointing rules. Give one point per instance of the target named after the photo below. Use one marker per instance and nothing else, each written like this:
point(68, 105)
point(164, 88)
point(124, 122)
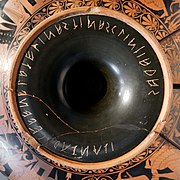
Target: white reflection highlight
point(115, 69)
point(6, 67)
point(3, 146)
point(126, 96)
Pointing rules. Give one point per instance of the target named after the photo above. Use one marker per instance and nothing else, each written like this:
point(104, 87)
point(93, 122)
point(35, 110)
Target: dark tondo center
point(84, 86)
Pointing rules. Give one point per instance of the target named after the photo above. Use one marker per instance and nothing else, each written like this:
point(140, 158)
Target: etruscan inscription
point(66, 137)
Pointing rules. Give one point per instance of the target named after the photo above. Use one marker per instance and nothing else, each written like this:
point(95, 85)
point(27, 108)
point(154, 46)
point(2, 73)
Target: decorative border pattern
point(171, 46)
point(161, 19)
point(131, 8)
point(144, 155)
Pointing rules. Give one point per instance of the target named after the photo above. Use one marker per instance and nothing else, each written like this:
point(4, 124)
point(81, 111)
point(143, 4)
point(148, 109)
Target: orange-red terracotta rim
point(167, 87)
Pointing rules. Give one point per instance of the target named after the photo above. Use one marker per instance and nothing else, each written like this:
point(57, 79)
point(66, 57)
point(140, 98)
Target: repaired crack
point(129, 127)
point(122, 126)
point(51, 110)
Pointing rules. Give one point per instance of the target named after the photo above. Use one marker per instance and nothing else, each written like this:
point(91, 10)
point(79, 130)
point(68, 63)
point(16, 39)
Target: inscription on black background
point(102, 143)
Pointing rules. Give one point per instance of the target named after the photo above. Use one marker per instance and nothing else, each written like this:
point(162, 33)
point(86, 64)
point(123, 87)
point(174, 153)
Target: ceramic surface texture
point(18, 160)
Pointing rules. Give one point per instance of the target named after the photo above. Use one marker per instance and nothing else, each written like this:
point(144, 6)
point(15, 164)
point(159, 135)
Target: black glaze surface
point(114, 104)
